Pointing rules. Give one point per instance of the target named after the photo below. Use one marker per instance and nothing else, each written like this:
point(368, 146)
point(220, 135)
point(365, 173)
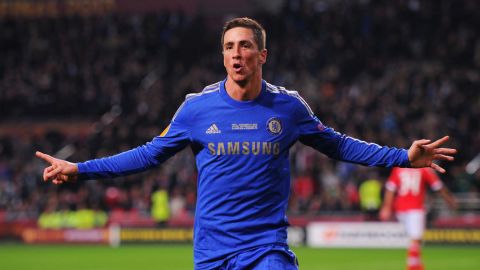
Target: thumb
point(422, 142)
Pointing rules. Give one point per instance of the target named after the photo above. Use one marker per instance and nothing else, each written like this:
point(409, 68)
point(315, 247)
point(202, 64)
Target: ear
point(263, 56)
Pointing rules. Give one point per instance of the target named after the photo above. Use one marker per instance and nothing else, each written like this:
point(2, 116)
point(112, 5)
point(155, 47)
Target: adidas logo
point(213, 129)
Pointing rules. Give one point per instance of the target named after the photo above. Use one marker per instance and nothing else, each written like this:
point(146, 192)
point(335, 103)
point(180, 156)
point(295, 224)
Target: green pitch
point(179, 257)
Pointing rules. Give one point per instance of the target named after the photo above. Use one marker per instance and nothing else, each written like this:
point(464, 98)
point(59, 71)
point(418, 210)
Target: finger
point(421, 145)
point(46, 171)
point(62, 177)
point(446, 151)
point(45, 157)
point(437, 168)
point(51, 174)
point(57, 182)
point(439, 142)
point(443, 157)
point(421, 142)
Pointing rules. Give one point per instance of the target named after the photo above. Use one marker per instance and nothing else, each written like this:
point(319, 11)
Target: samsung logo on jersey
point(244, 148)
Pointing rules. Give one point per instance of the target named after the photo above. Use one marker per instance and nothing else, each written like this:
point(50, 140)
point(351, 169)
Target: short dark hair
point(259, 33)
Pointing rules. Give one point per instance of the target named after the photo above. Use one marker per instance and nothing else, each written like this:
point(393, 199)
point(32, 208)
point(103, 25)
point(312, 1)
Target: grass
point(179, 257)
point(437, 258)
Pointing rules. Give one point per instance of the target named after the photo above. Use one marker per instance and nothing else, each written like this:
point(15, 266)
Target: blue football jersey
point(242, 150)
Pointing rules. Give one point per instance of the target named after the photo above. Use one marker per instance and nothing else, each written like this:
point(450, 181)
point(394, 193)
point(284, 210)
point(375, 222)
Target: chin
point(239, 79)
point(240, 82)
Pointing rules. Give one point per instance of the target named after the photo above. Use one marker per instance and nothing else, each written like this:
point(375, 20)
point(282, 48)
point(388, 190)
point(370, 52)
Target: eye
point(246, 45)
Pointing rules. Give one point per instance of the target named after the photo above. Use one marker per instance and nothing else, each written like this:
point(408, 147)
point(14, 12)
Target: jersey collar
point(242, 104)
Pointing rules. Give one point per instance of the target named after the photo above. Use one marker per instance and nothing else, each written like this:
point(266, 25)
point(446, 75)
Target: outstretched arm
point(447, 196)
point(129, 162)
point(173, 139)
point(386, 210)
point(59, 171)
point(423, 153)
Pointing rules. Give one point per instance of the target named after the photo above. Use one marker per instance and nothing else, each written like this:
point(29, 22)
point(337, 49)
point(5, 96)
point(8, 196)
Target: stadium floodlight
point(473, 166)
point(65, 152)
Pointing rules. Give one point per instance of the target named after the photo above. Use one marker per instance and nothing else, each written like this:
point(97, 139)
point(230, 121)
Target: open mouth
point(237, 67)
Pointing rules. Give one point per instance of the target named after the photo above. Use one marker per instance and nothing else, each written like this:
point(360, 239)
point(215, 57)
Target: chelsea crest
point(274, 126)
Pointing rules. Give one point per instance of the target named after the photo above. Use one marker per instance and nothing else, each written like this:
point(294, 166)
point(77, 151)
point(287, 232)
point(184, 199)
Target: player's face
point(241, 57)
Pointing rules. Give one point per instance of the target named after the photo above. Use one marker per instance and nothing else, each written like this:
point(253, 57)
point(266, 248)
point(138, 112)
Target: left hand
point(59, 171)
point(423, 152)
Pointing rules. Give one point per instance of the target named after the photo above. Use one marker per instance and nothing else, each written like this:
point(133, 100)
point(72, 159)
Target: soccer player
point(240, 131)
point(410, 185)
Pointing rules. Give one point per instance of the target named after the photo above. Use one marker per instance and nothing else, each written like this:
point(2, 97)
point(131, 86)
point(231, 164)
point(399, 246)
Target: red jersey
point(410, 186)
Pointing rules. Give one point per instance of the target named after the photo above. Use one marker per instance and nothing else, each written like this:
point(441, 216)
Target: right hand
point(59, 171)
point(385, 214)
point(452, 202)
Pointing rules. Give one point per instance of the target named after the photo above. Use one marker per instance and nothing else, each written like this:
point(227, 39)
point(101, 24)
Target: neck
point(243, 90)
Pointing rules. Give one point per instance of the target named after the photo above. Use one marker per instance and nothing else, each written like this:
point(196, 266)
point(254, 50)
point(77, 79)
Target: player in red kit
point(410, 185)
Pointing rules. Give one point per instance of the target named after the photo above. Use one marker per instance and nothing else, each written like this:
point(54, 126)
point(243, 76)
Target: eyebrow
point(241, 42)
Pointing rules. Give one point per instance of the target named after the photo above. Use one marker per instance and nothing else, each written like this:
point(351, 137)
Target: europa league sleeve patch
point(165, 131)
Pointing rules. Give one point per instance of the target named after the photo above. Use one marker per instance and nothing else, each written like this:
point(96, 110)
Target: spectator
point(352, 69)
point(371, 197)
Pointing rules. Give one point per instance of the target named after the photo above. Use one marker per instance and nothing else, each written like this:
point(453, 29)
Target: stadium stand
point(90, 86)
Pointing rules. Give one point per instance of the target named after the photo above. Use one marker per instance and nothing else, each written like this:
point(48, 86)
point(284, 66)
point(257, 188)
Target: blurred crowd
point(383, 71)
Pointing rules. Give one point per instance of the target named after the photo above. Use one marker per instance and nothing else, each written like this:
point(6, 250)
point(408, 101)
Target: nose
point(236, 52)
